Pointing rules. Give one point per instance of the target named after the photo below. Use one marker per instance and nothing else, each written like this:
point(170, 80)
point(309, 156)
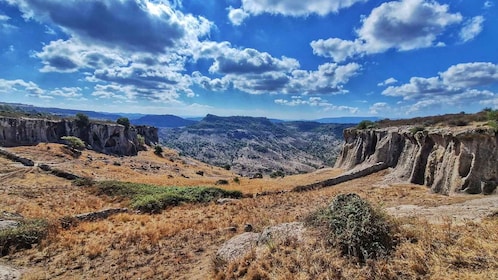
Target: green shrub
point(82, 120)
point(141, 140)
point(83, 182)
point(355, 227)
point(153, 199)
point(416, 129)
point(74, 142)
point(276, 174)
point(29, 232)
point(236, 180)
point(366, 124)
point(158, 150)
point(124, 122)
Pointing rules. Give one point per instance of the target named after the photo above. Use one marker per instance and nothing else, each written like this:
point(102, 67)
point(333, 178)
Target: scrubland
point(181, 241)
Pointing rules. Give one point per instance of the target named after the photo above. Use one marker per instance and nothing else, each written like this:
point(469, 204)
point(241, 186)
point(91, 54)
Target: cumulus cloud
point(488, 4)
point(378, 107)
point(470, 74)
point(296, 8)
point(30, 88)
point(471, 28)
point(460, 84)
point(403, 25)
point(237, 16)
point(129, 24)
point(20, 86)
point(314, 102)
point(388, 81)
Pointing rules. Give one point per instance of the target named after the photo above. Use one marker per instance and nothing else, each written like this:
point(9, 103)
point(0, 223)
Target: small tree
point(74, 142)
point(158, 150)
point(124, 122)
point(82, 120)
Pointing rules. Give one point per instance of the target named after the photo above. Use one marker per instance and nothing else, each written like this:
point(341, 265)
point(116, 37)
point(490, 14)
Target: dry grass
point(180, 243)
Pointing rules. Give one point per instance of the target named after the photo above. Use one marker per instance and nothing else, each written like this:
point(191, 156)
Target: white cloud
point(296, 8)
point(103, 21)
point(314, 102)
point(237, 16)
point(4, 26)
point(471, 28)
point(388, 81)
point(379, 107)
point(488, 4)
point(459, 85)
point(403, 25)
point(471, 74)
point(20, 86)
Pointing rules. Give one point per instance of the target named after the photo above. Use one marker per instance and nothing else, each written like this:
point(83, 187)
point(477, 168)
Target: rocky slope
point(110, 138)
point(257, 145)
point(447, 159)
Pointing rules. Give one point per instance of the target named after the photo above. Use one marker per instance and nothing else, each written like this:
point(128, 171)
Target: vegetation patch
point(153, 199)
point(24, 236)
point(356, 228)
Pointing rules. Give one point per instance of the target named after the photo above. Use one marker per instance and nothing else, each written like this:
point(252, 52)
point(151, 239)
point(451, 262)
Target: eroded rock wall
point(445, 159)
point(108, 138)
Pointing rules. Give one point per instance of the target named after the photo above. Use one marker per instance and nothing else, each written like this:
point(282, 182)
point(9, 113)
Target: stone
point(240, 245)
point(9, 273)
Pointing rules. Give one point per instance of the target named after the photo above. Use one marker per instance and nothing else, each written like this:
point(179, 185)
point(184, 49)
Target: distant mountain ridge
point(250, 145)
point(162, 121)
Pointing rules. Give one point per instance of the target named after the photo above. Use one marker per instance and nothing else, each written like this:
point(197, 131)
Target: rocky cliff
point(109, 138)
point(447, 160)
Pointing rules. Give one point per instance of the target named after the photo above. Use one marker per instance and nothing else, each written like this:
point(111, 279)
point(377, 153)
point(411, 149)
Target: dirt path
point(471, 210)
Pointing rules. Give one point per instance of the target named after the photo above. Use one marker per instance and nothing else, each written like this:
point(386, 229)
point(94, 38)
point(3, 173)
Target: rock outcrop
point(109, 138)
point(447, 160)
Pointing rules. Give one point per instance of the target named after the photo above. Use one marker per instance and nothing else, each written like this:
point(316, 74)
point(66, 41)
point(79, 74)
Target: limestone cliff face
point(102, 137)
point(447, 160)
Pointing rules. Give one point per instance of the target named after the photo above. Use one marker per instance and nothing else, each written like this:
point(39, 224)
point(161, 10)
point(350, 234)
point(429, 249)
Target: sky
point(287, 59)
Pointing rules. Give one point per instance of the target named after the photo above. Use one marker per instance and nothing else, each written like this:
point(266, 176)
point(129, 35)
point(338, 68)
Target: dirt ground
point(180, 243)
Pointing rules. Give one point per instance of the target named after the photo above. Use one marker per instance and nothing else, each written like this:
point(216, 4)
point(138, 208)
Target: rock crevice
point(446, 160)
point(109, 138)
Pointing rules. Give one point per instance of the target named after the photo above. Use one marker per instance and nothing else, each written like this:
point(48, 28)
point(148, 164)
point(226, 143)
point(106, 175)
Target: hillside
point(182, 241)
point(257, 145)
point(162, 121)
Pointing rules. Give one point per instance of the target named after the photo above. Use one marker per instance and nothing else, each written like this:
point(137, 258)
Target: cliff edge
point(109, 138)
point(448, 160)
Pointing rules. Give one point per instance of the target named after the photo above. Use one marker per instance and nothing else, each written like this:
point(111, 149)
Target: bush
point(355, 227)
point(74, 142)
point(416, 129)
point(276, 174)
point(29, 232)
point(222, 182)
point(82, 120)
point(366, 124)
point(124, 122)
point(158, 150)
point(141, 140)
point(83, 182)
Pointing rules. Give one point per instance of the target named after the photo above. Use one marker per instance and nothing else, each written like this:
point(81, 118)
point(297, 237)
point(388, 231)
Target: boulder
point(242, 244)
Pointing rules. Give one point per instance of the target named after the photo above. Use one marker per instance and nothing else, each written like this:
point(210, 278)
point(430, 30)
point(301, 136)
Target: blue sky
point(288, 59)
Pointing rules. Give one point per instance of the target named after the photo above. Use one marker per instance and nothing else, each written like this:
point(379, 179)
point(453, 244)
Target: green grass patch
point(28, 233)
point(153, 199)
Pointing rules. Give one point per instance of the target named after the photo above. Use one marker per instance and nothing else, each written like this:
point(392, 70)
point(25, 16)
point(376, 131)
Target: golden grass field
point(180, 243)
